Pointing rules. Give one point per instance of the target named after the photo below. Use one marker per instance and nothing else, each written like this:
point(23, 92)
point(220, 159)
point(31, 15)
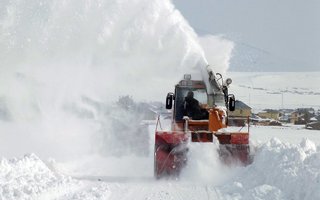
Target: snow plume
point(114, 47)
point(218, 52)
point(63, 62)
point(204, 164)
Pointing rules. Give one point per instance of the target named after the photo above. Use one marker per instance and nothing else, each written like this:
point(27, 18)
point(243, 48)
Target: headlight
point(228, 81)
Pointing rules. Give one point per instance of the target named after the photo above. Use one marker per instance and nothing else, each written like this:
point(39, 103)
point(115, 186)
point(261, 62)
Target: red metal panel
point(224, 138)
point(240, 138)
point(172, 137)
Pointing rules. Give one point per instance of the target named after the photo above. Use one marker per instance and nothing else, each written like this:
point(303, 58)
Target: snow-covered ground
point(284, 168)
point(287, 133)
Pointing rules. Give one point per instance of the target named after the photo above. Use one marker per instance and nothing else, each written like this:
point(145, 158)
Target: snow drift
point(280, 171)
point(28, 177)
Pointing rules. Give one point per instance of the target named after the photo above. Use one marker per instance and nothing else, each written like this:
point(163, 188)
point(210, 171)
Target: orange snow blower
point(200, 113)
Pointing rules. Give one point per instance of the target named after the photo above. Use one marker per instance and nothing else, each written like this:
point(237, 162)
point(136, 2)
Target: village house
point(270, 114)
point(302, 115)
point(240, 116)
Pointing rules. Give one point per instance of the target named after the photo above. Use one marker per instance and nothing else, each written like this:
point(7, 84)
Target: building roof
point(240, 104)
point(271, 111)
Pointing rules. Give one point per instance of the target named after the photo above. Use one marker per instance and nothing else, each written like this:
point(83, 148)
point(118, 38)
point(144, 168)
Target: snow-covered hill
point(275, 90)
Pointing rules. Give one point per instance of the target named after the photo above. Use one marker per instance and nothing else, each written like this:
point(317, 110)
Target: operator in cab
point(193, 109)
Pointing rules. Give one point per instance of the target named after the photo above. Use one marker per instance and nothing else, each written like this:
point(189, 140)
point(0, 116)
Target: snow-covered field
point(276, 90)
point(285, 168)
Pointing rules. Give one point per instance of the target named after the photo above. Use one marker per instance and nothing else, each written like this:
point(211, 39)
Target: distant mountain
point(269, 35)
point(248, 58)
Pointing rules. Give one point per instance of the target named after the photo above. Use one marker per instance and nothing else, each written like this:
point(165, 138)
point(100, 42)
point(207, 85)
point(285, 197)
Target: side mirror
point(232, 102)
point(169, 100)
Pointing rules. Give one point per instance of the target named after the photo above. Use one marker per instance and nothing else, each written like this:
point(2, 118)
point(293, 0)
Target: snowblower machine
point(200, 113)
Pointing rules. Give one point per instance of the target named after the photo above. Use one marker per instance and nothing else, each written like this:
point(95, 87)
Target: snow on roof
point(313, 119)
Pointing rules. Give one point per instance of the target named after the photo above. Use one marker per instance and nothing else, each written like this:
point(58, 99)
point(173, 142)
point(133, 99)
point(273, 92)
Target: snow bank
point(279, 171)
point(27, 177)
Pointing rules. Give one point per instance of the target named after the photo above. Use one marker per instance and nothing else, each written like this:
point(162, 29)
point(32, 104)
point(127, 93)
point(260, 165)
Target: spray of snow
point(218, 52)
point(204, 165)
point(63, 63)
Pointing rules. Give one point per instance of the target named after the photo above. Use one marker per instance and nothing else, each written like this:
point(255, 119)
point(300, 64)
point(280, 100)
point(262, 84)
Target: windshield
point(199, 94)
point(181, 93)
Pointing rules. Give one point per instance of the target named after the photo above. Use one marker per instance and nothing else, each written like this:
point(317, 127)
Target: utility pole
point(282, 100)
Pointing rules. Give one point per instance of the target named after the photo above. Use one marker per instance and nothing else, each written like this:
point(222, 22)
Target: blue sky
point(269, 35)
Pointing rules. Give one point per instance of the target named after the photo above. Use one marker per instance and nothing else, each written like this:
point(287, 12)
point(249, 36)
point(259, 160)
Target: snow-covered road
point(281, 170)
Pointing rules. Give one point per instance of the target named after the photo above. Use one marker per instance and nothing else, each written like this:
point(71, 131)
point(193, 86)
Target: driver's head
point(190, 94)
